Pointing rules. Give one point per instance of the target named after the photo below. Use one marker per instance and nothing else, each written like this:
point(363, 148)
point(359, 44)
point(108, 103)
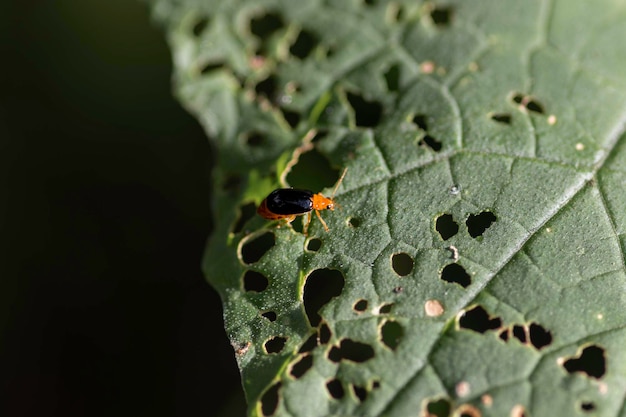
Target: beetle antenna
point(339, 182)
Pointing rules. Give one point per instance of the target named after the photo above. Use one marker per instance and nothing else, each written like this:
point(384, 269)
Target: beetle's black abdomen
point(289, 201)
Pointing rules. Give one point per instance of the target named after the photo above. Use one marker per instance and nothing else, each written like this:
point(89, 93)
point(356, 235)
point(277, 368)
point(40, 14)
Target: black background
point(104, 211)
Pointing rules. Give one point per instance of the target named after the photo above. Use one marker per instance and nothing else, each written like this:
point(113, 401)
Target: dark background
point(104, 213)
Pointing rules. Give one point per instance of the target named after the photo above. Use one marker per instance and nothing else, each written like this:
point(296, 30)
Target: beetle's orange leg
point(319, 216)
point(288, 220)
point(305, 229)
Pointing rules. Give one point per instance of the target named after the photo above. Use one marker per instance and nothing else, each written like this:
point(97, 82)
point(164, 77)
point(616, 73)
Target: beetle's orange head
point(323, 203)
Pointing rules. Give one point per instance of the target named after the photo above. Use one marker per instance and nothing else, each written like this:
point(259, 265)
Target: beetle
point(289, 203)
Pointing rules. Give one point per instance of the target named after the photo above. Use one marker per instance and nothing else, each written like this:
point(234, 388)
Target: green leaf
point(476, 263)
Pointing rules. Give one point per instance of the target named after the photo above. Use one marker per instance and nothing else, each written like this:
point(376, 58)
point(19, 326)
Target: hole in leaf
point(392, 78)
point(335, 389)
point(309, 344)
point(200, 26)
point(446, 226)
point(355, 351)
point(304, 44)
point(292, 87)
point(587, 406)
point(391, 334)
point(478, 320)
point(264, 26)
point(441, 16)
point(539, 337)
point(211, 66)
point(385, 308)
point(366, 113)
point(324, 334)
point(438, 408)
point(270, 315)
point(360, 393)
point(400, 14)
point(455, 273)
point(275, 344)
point(402, 263)
point(313, 172)
point(352, 351)
point(334, 354)
point(321, 286)
point(267, 87)
point(519, 332)
point(419, 120)
point(254, 248)
point(291, 117)
point(254, 281)
point(398, 289)
point(534, 106)
point(246, 212)
point(269, 400)
point(299, 368)
point(518, 98)
point(432, 143)
point(360, 306)
point(254, 139)
point(478, 223)
point(504, 334)
point(319, 135)
point(504, 118)
point(314, 244)
point(370, 2)
point(354, 222)
point(331, 50)
point(591, 362)
point(530, 103)
point(468, 410)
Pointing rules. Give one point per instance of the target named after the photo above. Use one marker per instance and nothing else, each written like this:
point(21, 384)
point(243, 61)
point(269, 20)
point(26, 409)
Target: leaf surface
point(476, 262)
